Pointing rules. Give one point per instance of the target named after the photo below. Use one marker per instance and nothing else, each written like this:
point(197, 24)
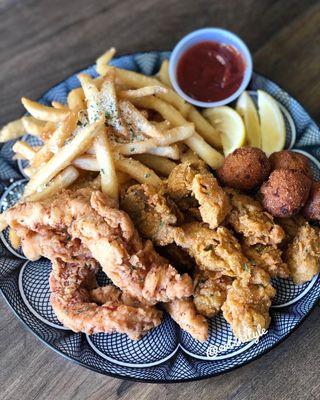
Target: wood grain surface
point(44, 41)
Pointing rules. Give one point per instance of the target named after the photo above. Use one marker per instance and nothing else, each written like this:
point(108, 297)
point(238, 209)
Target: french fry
point(164, 73)
point(103, 104)
point(176, 134)
point(104, 60)
point(59, 106)
point(87, 162)
point(109, 104)
point(166, 151)
point(135, 147)
point(71, 150)
point(136, 81)
point(166, 110)
point(147, 146)
point(135, 120)
point(60, 182)
point(109, 182)
point(204, 128)
point(159, 164)
point(38, 128)
point(159, 146)
point(138, 171)
point(59, 136)
point(76, 100)
point(29, 171)
point(44, 113)
point(24, 150)
point(211, 156)
point(14, 238)
point(142, 92)
point(163, 126)
point(12, 130)
point(91, 93)
point(131, 167)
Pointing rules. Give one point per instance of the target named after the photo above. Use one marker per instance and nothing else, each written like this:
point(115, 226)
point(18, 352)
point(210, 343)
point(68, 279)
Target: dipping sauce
point(210, 71)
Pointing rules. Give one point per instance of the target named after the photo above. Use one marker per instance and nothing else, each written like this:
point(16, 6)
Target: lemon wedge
point(230, 125)
point(246, 108)
point(272, 125)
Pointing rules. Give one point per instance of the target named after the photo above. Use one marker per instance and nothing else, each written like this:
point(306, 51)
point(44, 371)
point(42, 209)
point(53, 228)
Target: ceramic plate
point(166, 354)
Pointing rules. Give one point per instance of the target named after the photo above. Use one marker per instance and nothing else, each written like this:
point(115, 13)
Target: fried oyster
point(214, 250)
point(210, 292)
point(268, 258)
point(248, 219)
point(303, 254)
point(197, 191)
point(247, 305)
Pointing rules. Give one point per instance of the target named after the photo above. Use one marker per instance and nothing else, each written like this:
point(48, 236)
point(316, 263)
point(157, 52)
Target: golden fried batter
point(248, 218)
point(247, 305)
point(152, 212)
point(77, 309)
point(303, 254)
point(179, 182)
point(109, 235)
point(185, 314)
point(213, 250)
point(210, 292)
point(197, 191)
point(268, 258)
point(291, 225)
point(214, 202)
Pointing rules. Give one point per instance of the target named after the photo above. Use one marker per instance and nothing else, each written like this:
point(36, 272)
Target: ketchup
point(210, 71)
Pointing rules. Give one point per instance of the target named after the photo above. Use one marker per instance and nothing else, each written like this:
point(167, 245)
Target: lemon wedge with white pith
point(246, 108)
point(230, 125)
point(272, 125)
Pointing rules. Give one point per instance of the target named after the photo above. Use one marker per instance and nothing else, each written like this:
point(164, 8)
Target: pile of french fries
point(123, 125)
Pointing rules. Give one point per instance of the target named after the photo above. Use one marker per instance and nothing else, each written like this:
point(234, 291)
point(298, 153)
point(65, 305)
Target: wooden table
point(44, 41)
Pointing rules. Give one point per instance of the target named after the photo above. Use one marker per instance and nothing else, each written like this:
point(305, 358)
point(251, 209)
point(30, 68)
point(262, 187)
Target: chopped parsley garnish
point(147, 175)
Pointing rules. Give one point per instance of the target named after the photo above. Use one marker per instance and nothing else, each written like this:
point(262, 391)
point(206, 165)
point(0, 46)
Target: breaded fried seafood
point(247, 305)
point(244, 169)
point(268, 258)
point(82, 308)
point(109, 235)
point(303, 254)
point(250, 220)
point(186, 316)
point(285, 192)
point(152, 211)
point(210, 292)
point(196, 190)
point(213, 250)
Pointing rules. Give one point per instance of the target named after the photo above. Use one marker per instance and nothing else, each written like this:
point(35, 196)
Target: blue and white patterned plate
point(166, 354)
